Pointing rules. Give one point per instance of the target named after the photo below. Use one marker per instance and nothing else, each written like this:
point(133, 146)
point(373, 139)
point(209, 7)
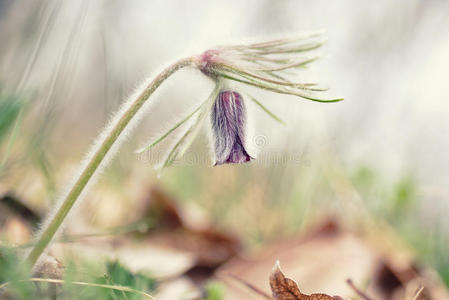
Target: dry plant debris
point(322, 260)
point(284, 288)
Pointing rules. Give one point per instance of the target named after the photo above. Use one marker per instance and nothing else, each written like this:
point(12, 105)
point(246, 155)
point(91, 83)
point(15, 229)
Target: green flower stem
point(96, 159)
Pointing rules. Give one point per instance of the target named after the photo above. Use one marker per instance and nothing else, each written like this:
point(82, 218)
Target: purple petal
point(228, 125)
point(238, 154)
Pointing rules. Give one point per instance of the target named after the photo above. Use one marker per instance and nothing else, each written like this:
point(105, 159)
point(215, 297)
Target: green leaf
point(214, 291)
point(174, 153)
point(118, 276)
point(186, 140)
point(11, 112)
point(271, 114)
point(11, 272)
point(169, 131)
point(277, 89)
point(10, 107)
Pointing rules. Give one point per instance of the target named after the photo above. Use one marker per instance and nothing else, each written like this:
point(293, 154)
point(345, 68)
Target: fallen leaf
point(325, 256)
point(211, 246)
point(320, 259)
point(17, 220)
point(286, 289)
point(161, 210)
point(12, 206)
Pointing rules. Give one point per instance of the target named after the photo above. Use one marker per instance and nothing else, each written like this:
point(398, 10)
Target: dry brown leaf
point(322, 259)
point(13, 206)
point(286, 289)
point(212, 247)
point(17, 220)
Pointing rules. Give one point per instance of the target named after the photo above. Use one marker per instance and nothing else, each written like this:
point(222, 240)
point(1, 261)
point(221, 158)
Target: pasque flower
point(270, 66)
point(228, 125)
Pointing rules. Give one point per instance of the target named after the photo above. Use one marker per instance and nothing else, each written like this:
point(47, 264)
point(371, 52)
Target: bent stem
point(97, 158)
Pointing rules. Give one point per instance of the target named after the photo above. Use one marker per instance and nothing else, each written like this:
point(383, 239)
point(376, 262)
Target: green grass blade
point(279, 90)
point(266, 110)
point(10, 108)
point(105, 286)
point(186, 140)
point(169, 131)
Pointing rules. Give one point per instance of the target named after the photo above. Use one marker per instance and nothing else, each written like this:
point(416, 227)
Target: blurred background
point(380, 156)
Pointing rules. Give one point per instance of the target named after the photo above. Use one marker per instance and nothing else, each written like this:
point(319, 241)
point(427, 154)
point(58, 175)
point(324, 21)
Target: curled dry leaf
point(286, 289)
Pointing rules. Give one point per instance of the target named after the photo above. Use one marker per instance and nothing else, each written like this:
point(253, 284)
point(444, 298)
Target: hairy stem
point(97, 158)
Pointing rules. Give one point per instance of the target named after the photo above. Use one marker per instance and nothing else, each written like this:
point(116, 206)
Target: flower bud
point(228, 125)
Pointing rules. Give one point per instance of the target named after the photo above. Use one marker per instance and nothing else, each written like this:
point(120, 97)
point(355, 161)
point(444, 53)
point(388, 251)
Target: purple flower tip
point(228, 126)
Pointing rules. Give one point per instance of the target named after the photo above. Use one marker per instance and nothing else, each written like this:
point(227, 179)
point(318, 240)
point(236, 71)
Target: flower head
point(270, 66)
point(228, 125)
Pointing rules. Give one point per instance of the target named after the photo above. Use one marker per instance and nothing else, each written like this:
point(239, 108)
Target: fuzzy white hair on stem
point(95, 147)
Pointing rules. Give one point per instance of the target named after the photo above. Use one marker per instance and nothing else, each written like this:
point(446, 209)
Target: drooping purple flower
point(228, 126)
point(269, 65)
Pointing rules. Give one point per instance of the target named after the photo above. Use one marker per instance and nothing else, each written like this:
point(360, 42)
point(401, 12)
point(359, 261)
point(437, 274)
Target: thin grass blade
point(106, 286)
point(280, 90)
point(266, 110)
point(186, 140)
point(165, 135)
